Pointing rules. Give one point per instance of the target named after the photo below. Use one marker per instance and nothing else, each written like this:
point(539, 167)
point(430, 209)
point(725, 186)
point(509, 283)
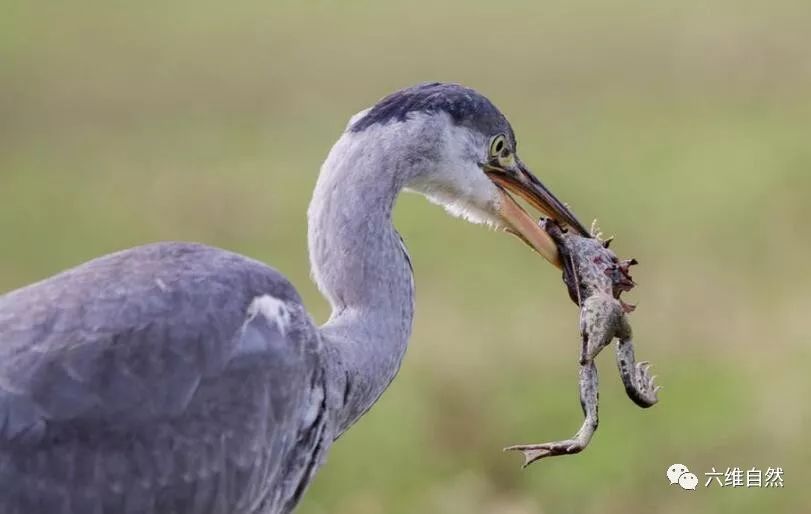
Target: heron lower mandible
point(180, 378)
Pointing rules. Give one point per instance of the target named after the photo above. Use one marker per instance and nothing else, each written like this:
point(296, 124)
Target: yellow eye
point(501, 153)
point(498, 144)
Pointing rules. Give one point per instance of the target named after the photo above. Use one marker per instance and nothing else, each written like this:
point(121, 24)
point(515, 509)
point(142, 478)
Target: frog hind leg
point(589, 397)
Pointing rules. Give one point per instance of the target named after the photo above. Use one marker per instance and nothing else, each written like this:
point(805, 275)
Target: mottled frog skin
point(595, 278)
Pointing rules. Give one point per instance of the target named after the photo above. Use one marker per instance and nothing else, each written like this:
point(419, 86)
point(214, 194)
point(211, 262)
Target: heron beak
point(521, 182)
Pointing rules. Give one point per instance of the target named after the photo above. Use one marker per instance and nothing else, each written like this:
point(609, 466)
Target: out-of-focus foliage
point(683, 126)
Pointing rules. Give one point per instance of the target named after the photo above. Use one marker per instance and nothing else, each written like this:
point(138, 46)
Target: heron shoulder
point(132, 335)
point(135, 286)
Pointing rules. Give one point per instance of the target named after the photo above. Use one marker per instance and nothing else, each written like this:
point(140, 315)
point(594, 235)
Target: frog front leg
point(589, 397)
point(639, 384)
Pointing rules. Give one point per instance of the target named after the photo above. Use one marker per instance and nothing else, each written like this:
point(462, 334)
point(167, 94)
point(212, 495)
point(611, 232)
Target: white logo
point(688, 481)
point(679, 474)
point(675, 471)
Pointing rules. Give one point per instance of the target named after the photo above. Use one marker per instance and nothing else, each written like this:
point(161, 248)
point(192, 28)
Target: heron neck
point(359, 263)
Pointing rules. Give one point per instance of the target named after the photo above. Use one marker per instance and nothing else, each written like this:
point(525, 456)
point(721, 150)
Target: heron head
point(454, 146)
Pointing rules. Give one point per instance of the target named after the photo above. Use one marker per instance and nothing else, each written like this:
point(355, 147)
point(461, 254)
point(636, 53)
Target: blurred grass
point(683, 126)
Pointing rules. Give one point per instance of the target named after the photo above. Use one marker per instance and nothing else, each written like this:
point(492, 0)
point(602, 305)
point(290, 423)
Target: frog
point(595, 278)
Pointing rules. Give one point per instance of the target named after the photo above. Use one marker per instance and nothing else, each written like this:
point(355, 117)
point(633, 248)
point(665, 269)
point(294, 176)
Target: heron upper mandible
point(179, 378)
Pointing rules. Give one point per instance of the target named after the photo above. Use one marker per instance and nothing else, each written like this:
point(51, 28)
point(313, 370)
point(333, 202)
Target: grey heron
point(181, 378)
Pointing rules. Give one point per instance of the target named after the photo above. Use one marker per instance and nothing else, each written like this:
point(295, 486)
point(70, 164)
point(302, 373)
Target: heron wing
point(164, 364)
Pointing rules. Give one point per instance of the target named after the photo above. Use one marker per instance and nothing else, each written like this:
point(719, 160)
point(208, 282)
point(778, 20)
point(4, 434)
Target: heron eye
point(501, 153)
point(498, 145)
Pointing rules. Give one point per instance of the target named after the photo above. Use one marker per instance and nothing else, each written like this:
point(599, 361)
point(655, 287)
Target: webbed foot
point(535, 452)
point(639, 384)
point(588, 400)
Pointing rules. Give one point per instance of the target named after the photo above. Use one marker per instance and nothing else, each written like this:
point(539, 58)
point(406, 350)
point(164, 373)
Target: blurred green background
point(684, 126)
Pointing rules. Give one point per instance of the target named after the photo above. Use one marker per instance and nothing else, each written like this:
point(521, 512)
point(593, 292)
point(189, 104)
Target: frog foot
point(641, 386)
point(536, 452)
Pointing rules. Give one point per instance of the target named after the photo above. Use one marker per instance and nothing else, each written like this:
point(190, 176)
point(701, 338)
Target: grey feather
point(140, 368)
